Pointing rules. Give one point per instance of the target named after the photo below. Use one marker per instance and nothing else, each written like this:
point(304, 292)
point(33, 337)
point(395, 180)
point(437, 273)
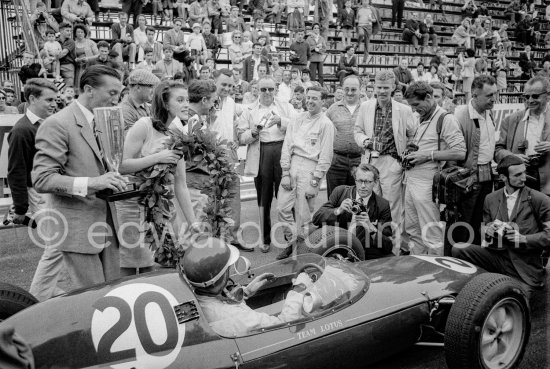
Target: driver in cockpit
point(207, 270)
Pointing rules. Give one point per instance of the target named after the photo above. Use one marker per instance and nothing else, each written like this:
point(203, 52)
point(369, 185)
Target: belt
point(351, 155)
point(271, 143)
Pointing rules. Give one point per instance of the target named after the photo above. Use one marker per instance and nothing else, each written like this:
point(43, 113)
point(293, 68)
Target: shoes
point(242, 248)
point(285, 253)
point(265, 248)
point(403, 252)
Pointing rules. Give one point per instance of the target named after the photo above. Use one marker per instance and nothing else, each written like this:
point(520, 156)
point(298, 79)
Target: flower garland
point(157, 184)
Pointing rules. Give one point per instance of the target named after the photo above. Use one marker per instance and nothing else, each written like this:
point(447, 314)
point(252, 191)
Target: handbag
point(451, 184)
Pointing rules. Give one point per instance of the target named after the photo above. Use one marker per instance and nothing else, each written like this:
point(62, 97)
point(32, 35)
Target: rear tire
point(331, 241)
point(488, 325)
point(14, 299)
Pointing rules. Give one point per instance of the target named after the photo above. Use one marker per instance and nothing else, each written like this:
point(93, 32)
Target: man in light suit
point(265, 142)
point(383, 128)
point(516, 250)
point(70, 166)
point(526, 134)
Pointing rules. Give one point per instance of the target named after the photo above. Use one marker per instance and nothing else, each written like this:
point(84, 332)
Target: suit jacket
point(67, 148)
point(403, 123)
point(512, 135)
point(378, 210)
point(532, 216)
point(116, 32)
point(248, 67)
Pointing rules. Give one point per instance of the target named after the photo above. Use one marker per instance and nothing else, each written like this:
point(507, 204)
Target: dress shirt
point(285, 92)
point(80, 184)
point(33, 117)
point(310, 137)
point(487, 138)
point(257, 62)
point(533, 130)
point(511, 201)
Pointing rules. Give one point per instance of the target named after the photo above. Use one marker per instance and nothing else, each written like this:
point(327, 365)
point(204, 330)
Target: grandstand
point(387, 47)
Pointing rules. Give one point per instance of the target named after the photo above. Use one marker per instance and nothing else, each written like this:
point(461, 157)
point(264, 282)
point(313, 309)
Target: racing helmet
point(207, 261)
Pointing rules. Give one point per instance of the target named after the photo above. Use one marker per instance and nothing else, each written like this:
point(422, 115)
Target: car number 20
point(135, 326)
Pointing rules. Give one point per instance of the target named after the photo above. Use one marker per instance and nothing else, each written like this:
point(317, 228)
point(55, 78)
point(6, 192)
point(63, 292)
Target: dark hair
point(92, 76)
point(306, 71)
point(199, 89)
point(366, 168)
point(349, 47)
point(483, 80)
point(149, 29)
point(299, 89)
point(178, 75)
point(225, 72)
point(506, 162)
point(82, 27)
point(320, 89)
point(419, 90)
point(103, 43)
point(420, 63)
point(256, 44)
point(147, 50)
point(470, 53)
point(35, 86)
point(159, 104)
point(315, 24)
point(50, 31)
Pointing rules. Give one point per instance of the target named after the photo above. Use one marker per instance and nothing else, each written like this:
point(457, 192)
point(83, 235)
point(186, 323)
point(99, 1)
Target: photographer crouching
point(360, 205)
point(518, 230)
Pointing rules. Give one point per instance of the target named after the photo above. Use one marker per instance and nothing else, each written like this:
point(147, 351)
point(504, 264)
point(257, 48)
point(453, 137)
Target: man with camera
point(478, 128)
point(437, 140)
point(518, 230)
point(382, 129)
point(526, 134)
point(359, 205)
point(262, 127)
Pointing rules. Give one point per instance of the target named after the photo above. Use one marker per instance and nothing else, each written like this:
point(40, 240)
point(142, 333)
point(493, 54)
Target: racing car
point(354, 314)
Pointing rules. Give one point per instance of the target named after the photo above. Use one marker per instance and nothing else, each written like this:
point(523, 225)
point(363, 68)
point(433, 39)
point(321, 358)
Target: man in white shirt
point(477, 126)
point(225, 126)
point(69, 165)
point(262, 127)
point(305, 158)
point(285, 90)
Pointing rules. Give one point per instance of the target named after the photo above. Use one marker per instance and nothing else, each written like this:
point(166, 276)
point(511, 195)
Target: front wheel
point(488, 325)
point(13, 299)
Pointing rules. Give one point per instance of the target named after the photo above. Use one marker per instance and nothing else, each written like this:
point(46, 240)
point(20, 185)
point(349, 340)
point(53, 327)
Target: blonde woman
point(236, 52)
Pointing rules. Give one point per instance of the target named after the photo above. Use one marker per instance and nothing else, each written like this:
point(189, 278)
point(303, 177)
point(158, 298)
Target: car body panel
point(131, 322)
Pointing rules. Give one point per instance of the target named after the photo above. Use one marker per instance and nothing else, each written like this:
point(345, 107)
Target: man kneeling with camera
point(518, 230)
point(359, 209)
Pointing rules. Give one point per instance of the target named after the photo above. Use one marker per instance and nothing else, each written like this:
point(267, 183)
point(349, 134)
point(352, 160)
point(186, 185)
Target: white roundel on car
point(456, 265)
point(135, 326)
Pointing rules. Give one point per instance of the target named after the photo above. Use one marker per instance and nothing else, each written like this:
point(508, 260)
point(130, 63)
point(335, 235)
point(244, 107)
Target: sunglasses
point(534, 96)
point(2, 98)
point(265, 89)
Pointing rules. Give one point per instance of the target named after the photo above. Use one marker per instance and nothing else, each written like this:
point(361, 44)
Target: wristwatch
point(314, 183)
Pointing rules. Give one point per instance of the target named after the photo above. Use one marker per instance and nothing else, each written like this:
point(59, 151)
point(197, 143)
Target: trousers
point(301, 170)
point(422, 219)
point(339, 172)
point(267, 184)
point(46, 275)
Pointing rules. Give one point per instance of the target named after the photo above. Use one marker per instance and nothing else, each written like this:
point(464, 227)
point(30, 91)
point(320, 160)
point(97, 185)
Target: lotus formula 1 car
point(353, 314)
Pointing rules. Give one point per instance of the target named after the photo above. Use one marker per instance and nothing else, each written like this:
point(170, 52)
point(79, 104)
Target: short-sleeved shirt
point(69, 45)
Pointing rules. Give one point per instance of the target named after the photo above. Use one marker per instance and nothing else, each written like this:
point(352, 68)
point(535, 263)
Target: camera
point(535, 160)
point(358, 207)
point(265, 119)
point(501, 227)
point(406, 164)
point(375, 147)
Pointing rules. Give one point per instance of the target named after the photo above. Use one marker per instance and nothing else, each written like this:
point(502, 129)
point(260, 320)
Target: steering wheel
point(313, 276)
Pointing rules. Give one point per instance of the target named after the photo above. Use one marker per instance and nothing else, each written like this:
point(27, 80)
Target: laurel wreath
point(157, 186)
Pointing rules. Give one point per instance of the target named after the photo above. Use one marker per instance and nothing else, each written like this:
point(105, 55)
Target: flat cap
point(142, 77)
